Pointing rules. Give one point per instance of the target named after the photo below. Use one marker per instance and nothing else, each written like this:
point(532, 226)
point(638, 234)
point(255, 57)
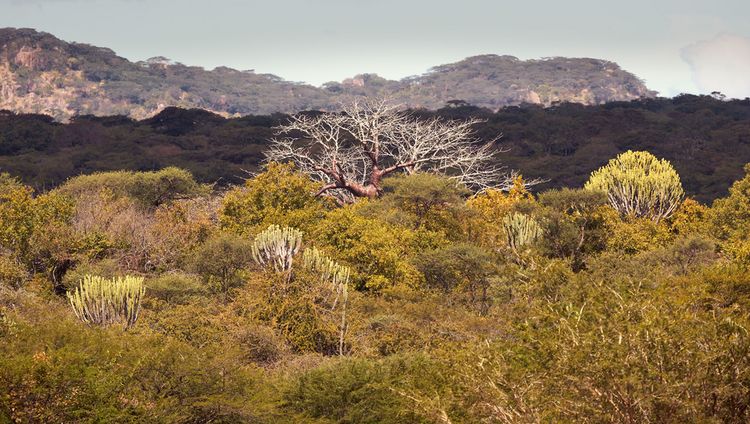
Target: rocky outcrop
point(42, 74)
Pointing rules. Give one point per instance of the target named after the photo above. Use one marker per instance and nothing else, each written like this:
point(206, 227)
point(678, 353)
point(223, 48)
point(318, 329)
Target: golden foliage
point(490, 208)
point(280, 195)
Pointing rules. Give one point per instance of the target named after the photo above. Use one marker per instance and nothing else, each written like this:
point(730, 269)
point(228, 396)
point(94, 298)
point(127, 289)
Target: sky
point(684, 46)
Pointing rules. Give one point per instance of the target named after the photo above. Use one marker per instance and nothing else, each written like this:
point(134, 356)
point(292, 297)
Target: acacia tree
point(352, 151)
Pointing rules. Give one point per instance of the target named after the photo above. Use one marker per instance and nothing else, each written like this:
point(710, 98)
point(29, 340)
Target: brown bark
point(370, 190)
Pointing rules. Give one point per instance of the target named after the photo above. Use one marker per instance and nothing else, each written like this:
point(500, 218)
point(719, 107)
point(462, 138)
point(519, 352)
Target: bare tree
point(352, 151)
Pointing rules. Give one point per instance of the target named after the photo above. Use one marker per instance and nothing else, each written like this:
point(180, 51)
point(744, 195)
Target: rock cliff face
point(495, 81)
point(41, 74)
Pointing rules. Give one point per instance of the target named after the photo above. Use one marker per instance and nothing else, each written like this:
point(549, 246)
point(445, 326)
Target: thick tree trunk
point(360, 190)
point(370, 190)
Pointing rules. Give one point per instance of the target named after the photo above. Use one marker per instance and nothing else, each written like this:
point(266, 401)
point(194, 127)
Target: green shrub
point(300, 310)
point(393, 334)
point(107, 268)
point(28, 221)
point(55, 371)
point(576, 224)
point(401, 389)
point(222, 261)
point(197, 321)
point(619, 343)
point(379, 254)
point(730, 220)
point(303, 300)
point(635, 235)
point(12, 272)
point(176, 286)
point(461, 267)
point(428, 201)
point(260, 344)
point(149, 189)
point(687, 254)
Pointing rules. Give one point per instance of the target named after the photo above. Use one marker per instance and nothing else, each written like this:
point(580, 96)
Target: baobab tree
point(352, 151)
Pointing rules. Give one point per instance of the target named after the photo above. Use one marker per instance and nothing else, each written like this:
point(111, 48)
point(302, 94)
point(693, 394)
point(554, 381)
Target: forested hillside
point(40, 73)
point(707, 140)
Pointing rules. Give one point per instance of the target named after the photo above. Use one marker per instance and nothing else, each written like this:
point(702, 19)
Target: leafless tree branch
point(352, 151)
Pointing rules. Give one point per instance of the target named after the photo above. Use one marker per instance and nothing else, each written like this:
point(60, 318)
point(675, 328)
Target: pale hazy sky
point(674, 45)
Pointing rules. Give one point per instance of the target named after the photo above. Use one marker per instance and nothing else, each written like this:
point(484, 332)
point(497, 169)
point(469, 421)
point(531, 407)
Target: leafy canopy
point(280, 195)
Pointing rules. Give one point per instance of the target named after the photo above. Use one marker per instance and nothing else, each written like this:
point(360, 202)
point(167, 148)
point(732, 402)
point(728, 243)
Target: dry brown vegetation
point(501, 307)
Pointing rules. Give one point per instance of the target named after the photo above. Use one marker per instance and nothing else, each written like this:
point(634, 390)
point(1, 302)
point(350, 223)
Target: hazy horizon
point(675, 47)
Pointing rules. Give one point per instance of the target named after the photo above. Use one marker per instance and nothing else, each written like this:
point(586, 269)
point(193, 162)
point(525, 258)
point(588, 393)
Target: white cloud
point(721, 64)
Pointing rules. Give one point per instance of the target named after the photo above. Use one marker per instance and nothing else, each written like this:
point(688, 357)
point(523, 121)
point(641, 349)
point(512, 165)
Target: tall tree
point(352, 151)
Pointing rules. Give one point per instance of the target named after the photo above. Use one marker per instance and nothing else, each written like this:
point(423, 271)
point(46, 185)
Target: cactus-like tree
point(639, 184)
point(105, 302)
point(338, 277)
point(276, 246)
point(521, 230)
point(314, 260)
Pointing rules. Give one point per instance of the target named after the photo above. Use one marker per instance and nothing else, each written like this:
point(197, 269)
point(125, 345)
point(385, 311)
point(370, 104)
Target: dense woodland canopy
point(150, 297)
point(706, 139)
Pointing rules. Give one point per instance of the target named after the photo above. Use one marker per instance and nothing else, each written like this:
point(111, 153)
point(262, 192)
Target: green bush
point(176, 287)
point(260, 344)
point(427, 201)
point(378, 253)
point(687, 254)
point(613, 346)
point(460, 267)
point(222, 261)
point(403, 389)
point(107, 268)
point(12, 272)
point(576, 224)
point(55, 371)
point(27, 221)
point(149, 189)
point(635, 235)
point(391, 334)
point(730, 220)
point(298, 311)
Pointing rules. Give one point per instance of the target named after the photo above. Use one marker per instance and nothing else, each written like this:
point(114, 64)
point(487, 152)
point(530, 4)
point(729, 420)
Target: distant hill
point(707, 140)
point(40, 73)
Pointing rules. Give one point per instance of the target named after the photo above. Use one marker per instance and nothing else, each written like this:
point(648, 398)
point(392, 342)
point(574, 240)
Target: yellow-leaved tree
point(730, 220)
point(490, 209)
point(279, 195)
